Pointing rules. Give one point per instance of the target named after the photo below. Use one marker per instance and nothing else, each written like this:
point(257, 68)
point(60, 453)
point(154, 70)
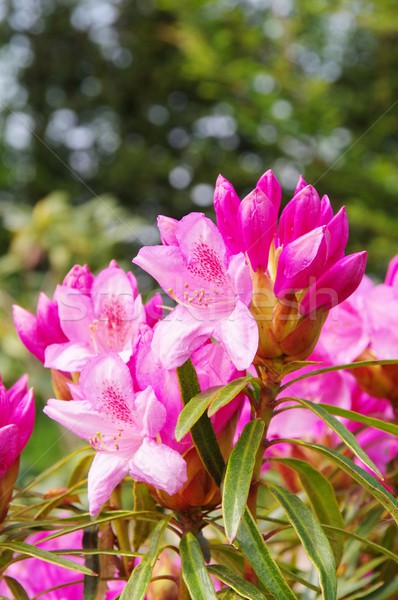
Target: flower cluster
point(256, 299)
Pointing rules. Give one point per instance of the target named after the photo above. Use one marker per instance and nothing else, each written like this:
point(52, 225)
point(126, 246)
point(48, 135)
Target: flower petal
point(226, 206)
point(159, 466)
point(70, 357)
point(149, 413)
point(258, 218)
point(178, 335)
point(336, 285)
point(106, 383)
point(238, 334)
point(106, 472)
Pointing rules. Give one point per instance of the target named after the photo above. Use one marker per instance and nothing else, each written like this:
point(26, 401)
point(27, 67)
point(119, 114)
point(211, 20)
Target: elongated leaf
point(142, 501)
point(202, 432)
point(50, 557)
point(367, 481)
point(312, 537)
point(347, 366)
point(16, 588)
point(229, 392)
point(192, 411)
point(256, 552)
point(228, 595)
point(238, 475)
point(80, 471)
point(215, 397)
point(385, 592)
point(344, 434)
point(354, 416)
point(194, 569)
point(322, 497)
point(237, 583)
point(380, 549)
point(137, 585)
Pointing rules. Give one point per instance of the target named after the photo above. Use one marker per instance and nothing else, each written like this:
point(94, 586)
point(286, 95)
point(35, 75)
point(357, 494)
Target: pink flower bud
point(226, 205)
point(258, 218)
point(336, 284)
point(300, 215)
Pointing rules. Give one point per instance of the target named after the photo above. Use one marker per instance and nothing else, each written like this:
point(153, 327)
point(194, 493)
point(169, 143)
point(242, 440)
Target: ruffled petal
point(159, 466)
point(106, 472)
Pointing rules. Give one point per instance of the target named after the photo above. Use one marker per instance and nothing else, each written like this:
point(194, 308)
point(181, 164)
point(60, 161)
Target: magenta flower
point(298, 265)
point(304, 254)
point(212, 289)
point(17, 416)
point(38, 332)
point(88, 315)
point(122, 427)
point(37, 576)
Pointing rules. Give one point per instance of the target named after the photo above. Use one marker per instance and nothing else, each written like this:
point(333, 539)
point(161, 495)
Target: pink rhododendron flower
point(106, 320)
point(365, 327)
point(309, 242)
point(122, 427)
point(38, 332)
point(17, 415)
point(213, 368)
point(88, 315)
point(298, 266)
point(212, 289)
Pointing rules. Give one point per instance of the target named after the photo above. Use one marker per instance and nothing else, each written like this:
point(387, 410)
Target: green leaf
point(354, 416)
point(347, 366)
point(312, 537)
point(380, 549)
point(236, 582)
point(142, 501)
point(238, 475)
point(140, 578)
point(322, 497)
point(386, 592)
point(228, 595)
point(202, 432)
point(366, 480)
point(194, 569)
point(50, 557)
point(192, 411)
point(80, 471)
point(137, 585)
point(255, 550)
point(344, 434)
point(217, 397)
point(229, 392)
point(16, 588)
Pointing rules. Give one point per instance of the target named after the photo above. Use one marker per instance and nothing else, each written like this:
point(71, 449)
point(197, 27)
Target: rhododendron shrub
point(240, 442)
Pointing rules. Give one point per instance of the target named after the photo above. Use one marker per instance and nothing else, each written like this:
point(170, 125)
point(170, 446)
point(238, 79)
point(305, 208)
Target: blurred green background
point(113, 111)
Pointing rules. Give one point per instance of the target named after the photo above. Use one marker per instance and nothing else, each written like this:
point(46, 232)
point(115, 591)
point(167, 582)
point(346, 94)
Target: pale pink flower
point(212, 289)
point(105, 320)
point(122, 427)
point(213, 368)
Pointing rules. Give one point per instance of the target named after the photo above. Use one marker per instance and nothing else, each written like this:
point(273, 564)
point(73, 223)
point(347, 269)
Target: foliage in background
point(149, 100)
